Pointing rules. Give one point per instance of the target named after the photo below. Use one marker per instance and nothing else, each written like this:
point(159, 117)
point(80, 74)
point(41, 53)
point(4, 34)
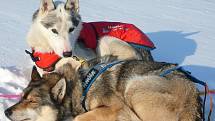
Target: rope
point(211, 102)
point(211, 91)
point(10, 96)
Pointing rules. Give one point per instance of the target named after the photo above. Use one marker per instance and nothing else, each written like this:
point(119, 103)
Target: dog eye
point(71, 30)
point(55, 31)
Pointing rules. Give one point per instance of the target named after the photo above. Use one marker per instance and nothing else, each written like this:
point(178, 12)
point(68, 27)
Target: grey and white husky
point(56, 27)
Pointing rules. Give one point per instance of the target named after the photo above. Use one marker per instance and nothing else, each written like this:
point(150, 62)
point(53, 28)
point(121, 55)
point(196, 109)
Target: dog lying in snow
point(57, 31)
point(131, 90)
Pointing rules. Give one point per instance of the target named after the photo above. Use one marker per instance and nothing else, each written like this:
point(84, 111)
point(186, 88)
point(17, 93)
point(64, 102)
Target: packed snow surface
point(183, 32)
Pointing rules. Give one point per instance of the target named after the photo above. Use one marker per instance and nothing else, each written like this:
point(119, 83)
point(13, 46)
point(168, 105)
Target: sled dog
point(128, 91)
point(56, 28)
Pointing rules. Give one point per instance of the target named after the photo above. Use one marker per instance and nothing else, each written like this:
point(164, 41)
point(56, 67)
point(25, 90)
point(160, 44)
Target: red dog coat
point(92, 31)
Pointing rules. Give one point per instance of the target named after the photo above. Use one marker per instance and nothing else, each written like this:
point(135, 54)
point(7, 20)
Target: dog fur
point(130, 91)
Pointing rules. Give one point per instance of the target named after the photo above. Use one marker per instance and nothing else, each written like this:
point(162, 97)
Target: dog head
point(56, 26)
point(41, 100)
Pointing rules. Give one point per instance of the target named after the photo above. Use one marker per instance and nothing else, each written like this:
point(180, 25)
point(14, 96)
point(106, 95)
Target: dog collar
point(45, 61)
point(82, 61)
point(90, 78)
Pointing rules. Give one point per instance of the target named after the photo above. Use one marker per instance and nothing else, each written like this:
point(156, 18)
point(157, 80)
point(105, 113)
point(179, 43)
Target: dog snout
point(67, 54)
point(8, 112)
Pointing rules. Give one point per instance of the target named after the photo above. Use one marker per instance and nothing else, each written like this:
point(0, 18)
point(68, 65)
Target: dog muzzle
point(67, 54)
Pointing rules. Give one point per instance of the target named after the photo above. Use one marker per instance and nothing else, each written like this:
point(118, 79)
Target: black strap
point(35, 59)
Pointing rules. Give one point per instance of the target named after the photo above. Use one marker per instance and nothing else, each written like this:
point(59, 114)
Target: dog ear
point(72, 5)
point(35, 76)
point(46, 5)
point(59, 90)
point(66, 64)
point(76, 65)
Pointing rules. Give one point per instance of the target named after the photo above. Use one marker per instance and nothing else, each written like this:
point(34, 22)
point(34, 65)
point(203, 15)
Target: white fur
point(47, 114)
point(37, 38)
point(145, 80)
point(109, 45)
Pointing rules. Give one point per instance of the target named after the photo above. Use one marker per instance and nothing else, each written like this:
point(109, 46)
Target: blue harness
point(97, 70)
point(90, 78)
point(187, 73)
point(141, 46)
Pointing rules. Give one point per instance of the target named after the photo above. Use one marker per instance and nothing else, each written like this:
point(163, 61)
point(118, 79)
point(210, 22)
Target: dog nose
point(67, 54)
point(8, 112)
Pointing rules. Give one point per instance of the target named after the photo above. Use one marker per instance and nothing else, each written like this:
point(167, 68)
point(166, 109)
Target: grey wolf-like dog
point(129, 91)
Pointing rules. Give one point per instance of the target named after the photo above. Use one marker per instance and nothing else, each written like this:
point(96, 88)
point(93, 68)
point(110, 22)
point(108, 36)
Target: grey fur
point(76, 20)
point(50, 20)
point(35, 15)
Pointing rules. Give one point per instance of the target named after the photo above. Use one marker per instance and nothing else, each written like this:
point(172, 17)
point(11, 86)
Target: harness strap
point(141, 46)
point(166, 72)
point(90, 78)
point(195, 80)
point(34, 59)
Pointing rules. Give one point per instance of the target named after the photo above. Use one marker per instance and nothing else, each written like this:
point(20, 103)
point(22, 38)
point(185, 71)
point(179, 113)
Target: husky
point(128, 91)
point(56, 28)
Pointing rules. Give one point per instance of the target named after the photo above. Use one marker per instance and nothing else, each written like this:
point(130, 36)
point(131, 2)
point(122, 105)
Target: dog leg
point(99, 114)
point(105, 110)
point(127, 114)
point(116, 47)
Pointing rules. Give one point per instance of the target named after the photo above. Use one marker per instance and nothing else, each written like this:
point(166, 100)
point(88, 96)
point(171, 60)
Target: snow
point(183, 32)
